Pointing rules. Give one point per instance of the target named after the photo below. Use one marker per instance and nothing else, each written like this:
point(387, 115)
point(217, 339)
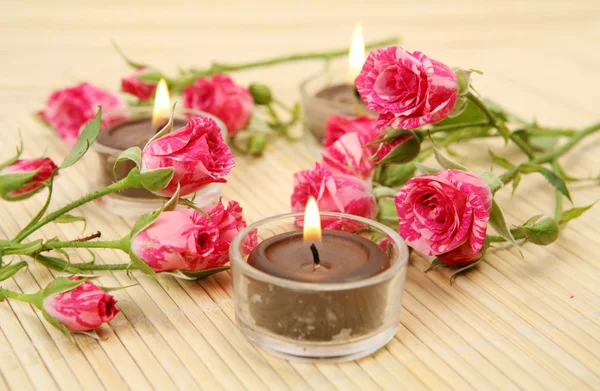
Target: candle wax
point(344, 257)
point(343, 93)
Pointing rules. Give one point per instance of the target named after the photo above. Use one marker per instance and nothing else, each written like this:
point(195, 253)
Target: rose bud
point(334, 193)
point(221, 97)
point(180, 239)
point(257, 143)
point(82, 308)
point(40, 169)
point(541, 230)
point(347, 156)
point(141, 89)
point(441, 212)
point(408, 90)
point(403, 147)
point(197, 153)
point(461, 256)
point(337, 126)
point(260, 93)
point(229, 222)
point(69, 109)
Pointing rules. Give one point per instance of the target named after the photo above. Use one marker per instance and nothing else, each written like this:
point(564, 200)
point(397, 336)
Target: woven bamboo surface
point(513, 323)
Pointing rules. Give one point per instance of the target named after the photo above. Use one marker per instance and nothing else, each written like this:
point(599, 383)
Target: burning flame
point(356, 56)
point(312, 222)
point(162, 105)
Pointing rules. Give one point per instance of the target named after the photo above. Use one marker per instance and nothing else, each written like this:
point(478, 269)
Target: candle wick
point(315, 254)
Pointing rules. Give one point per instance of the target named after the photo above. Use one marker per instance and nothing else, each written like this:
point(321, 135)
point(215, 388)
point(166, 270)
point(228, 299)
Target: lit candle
point(356, 56)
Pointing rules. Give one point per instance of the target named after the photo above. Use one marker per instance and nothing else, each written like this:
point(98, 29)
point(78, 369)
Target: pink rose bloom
point(197, 153)
point(408, 90)
point(83, 308)
point(337, 126)
point(178, 240)
point(460, 256)
point(347, 156)
point(45, 166)
point(229, 222)
point(441, 212)
point(69, 109)
point(136, 87)
point(221, 97)
point(334, 193)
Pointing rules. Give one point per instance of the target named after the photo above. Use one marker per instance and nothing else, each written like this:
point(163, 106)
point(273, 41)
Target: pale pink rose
point(229, 222)
point(83, 308)
point(181, 239)
point(337, 126)
point(441, 212)
point(69, 109)
point(408, 90)
point(45, 166)
point(460, 256)
point(141, 89)
point(221, 97)
point(348, 156)
point(197, 153)
point(334, 193)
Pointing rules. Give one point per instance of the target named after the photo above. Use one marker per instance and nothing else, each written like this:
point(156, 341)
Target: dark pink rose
point(460, 256)
point(347, 156)
point(441, 212)
point(181, 239)
point(197, 153)
point(69, 109)
point(83, 308)
point(408, 90)
point(141, 89)
point(337, 126)
point(229, 222)
point(45, 166)
point(221, 97)
point(334, 193)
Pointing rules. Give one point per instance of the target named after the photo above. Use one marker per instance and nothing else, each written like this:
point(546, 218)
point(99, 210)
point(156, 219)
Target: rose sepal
point(10, 182)
point(17, 155)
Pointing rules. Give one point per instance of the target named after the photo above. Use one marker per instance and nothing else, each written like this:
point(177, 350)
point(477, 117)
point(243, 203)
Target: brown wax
point(134, 132)
point(344, 257)
point(342, 93)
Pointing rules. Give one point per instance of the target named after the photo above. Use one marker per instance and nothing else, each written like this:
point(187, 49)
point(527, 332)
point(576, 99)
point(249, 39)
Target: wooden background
point(513, 323)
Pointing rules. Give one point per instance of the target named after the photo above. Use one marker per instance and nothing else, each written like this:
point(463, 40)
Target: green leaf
point(498, 222)
point(10, 182)
point(56, 323)
point(563, 175)
point(573, 213)
point(116, 288)
point(129, 62)
point(423, 169)
point(397, 174)
point(462, 270)
point(57, 264)
point(499, 160)
point(67, 218)
point(61, 284)
point(516, 181)
point(435, 264)
point(133, 154)
point(404, 152)
point(172, 203)
point(156, 180)
point(24, 248)
point(446, 162)
point(166, 129)
point(86, 138)
point(552, 178)
point(11, 269)
point(141, 265)
point(151, 76)
point(492, 181)
point(13, 159)
point(202, 274)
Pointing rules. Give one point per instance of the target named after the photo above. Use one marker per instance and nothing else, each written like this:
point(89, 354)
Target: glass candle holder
point(132, 203)
point(318, 321)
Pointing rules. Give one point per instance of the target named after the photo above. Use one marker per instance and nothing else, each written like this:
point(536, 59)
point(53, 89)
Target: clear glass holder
point(310, 321)
point(132, 203)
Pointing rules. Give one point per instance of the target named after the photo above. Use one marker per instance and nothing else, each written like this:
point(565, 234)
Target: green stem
point(121, 244)
point(446, 128)
point(566, 147)
point(61, 265)
point(328, 55)
point(498, 124)
point(25, 297)
point(113, 188)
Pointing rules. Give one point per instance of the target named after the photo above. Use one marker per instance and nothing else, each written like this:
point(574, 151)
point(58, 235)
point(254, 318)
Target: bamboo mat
point(513, 323)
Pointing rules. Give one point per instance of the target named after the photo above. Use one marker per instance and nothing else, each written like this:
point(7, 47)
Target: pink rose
point(460, 256)
point(334, 193)
point(83, 308)
point(141, 89)
point(408, 90)
point(69, 109)
point(177, 240)
point(347, 156)
point(45, 166)
point(229, 222)
point(221, 97)
point(337, 126)
point(441, 212)
point(197, 153)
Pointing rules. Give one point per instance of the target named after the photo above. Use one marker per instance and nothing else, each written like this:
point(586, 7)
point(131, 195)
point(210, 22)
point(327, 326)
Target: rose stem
point(61, 266)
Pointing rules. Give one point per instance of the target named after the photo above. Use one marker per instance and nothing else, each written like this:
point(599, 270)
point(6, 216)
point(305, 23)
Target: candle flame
point(312, 222)
point(356, 56)
point(162, 105)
